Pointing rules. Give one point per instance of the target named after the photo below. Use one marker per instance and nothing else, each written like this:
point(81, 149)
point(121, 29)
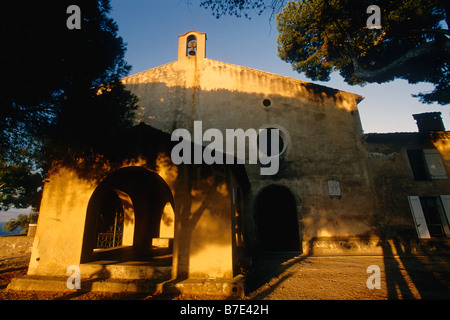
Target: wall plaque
point(334, 188)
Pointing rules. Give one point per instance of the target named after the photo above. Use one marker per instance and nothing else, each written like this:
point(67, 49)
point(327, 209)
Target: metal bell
point(192, 46)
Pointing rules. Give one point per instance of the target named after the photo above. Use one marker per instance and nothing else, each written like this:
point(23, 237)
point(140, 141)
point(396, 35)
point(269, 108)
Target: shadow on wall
point(171, 107)
point(201, 219)
point(203, 227)
point(199, 191)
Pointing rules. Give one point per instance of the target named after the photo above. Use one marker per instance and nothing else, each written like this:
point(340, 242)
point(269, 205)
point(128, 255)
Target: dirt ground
point(346, 277)
point(284, 277)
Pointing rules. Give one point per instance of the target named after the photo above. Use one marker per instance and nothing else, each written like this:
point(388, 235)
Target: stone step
point(124, 271)
point(40, 283)
point(220, 287)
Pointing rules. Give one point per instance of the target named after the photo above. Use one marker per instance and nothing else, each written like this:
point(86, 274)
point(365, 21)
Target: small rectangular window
point(431, 215)
point(432, 208)
point(436, 168)
point(417, 162)
point(426, 164)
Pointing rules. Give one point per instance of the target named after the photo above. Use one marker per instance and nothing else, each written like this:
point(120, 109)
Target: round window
point(267, 103)
point(266, 145)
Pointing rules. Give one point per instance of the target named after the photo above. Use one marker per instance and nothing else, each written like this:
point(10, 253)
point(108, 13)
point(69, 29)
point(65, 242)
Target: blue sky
point(151, 28)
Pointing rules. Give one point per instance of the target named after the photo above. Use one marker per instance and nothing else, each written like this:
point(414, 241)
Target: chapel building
point(336, 190)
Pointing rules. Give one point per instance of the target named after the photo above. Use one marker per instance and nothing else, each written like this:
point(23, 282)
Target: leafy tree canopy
point(22, 221)
point(19, 186)
point(318, 37)
point(61, 98)
point(321, 36)
point(241, 8)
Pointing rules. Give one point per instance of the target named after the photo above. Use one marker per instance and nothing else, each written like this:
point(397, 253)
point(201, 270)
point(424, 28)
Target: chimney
point(429, 122)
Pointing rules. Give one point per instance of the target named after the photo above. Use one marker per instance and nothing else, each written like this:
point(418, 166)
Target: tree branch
point(372, 75)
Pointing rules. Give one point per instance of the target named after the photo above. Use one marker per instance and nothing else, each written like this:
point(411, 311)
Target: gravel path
point(280, 277)
point(345, 278)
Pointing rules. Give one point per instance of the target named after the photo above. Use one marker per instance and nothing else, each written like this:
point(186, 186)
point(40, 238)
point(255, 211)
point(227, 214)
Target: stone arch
point(277, 219)
point(143, 196)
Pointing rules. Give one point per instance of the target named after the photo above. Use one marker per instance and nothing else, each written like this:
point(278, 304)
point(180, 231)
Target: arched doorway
point(277, 219)
point(129, 214)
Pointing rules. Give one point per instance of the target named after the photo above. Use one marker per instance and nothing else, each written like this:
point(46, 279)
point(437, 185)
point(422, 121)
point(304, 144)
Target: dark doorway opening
point(277, 220)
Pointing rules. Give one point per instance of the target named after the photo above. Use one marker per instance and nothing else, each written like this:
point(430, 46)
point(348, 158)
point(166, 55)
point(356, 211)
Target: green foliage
point(19, 187)
point(321, 36)
point(234, 7)
point(62, 98)
point(22, 221)
point(239, 8)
